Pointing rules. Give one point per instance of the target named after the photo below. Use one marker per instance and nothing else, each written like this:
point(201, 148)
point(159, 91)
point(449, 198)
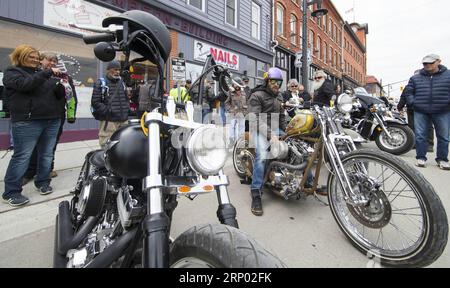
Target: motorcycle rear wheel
point(364, 226)
point(241, 145)
point(219, 246)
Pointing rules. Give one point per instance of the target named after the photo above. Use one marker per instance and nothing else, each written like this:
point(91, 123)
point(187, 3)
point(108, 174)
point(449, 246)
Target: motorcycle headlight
point(345, 103)
point(206, 150)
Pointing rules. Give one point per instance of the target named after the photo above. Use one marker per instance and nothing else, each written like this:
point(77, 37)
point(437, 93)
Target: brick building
point(373, 86)
point(355, 55)
point(325, 41)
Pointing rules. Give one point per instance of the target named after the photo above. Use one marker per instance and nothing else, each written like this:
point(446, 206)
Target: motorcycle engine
point(285, 180)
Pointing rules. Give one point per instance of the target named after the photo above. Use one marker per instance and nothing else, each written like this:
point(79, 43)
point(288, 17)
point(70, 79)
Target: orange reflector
point(208, 188)
point(184, 189)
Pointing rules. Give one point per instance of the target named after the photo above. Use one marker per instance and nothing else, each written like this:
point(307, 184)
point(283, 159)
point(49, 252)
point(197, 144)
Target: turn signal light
point(184, 189)
point(208, 188)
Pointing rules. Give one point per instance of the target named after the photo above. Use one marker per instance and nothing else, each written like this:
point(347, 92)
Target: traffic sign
point(178, 69)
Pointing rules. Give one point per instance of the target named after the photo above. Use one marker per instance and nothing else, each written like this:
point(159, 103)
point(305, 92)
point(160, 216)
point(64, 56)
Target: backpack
point(105, 93)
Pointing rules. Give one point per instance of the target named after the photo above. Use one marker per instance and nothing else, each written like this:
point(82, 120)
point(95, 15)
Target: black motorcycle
point(370, 120)
point(121, 211)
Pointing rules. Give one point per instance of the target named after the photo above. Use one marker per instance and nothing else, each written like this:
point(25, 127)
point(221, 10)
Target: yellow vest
point(184, 95)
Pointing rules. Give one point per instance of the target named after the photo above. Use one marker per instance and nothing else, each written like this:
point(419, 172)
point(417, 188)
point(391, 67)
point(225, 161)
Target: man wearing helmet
point(266, 111)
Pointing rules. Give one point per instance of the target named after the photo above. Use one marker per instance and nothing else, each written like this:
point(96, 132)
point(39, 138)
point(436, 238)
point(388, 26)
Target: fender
point(389, 120)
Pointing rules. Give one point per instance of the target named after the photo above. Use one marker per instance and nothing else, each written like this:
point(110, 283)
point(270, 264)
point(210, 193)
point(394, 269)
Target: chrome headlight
point(345, 103)
point(206, 150)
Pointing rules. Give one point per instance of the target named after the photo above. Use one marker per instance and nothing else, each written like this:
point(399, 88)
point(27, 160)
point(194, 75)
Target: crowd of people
point(42, 98)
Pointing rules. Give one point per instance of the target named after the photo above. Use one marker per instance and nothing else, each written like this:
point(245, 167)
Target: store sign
point(221, 56)
point(178, 69)
point(59, 13)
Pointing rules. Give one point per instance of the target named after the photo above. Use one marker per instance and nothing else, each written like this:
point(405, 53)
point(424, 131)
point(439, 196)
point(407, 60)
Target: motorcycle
point(121, 211)
point(385, 207)
point(371, 120)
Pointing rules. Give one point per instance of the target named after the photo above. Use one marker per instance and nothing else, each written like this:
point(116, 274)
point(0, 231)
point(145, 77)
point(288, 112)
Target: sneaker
point(53, 174)
point(17, 200)
point(421, 163)
point(45, 190)
point(444, 165)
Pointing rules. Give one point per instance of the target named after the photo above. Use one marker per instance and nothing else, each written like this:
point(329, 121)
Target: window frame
point(259, 21)
point(235, 13)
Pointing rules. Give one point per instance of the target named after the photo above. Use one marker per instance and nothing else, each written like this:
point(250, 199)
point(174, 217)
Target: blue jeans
point(422, 123)
point(237, 128)
point(27, 135)
point(259, 167)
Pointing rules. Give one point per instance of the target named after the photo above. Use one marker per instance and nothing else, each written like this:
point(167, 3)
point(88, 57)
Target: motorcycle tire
point(219, 246)
point(435, 237)
point(382, 140)
point(236, 148)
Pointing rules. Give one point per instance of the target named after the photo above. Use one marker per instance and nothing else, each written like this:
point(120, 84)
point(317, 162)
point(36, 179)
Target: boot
point(257, 209)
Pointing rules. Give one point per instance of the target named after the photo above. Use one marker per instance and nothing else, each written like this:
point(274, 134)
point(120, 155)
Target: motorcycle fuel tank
point(303, 122)
point(126, 152)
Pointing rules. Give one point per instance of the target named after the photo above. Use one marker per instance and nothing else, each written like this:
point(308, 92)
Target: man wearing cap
point(110, 103)
point(428, 93)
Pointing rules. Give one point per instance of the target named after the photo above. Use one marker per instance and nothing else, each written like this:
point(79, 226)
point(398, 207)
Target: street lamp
point(317, 13)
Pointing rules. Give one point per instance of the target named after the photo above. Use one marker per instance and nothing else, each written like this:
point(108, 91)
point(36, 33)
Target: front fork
point(383, 127)
point(156, 224)
point(226, 213)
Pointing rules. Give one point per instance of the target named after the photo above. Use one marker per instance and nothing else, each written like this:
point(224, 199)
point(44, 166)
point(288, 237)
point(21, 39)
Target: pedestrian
point(184, 97)
point(410, 116)
point(247, 89)
point(295, 95)
point(266, 102)
point(35, 98)
point(110, 102)
point(236, 107)
point(147, 99)
point(68, 107)
point(323, 89)
point(428, 93)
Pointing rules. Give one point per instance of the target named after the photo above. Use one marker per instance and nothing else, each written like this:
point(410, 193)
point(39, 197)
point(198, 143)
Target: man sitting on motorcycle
point(265, 103)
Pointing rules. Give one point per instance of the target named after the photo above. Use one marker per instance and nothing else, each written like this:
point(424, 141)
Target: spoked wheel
point(404, 222)
point(401, 141)
point(219, 246)
point(242, 157)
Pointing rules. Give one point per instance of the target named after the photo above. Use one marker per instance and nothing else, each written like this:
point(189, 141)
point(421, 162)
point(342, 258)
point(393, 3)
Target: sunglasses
point(274, 81)
point(294, 86)
point(318, 78)
point(424, 64)
point(237, 88)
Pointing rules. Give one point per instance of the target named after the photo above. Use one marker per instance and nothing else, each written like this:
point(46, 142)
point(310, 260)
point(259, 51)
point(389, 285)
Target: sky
point(401, 33)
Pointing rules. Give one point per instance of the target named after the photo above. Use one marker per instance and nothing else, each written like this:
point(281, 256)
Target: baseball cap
point(431, 58)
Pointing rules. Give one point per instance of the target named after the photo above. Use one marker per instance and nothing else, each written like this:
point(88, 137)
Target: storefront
point(48, 30)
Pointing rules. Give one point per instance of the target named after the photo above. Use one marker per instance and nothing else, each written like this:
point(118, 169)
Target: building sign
point(59, 13)
point(221, 56)
point(172, 21)
point(178, 69)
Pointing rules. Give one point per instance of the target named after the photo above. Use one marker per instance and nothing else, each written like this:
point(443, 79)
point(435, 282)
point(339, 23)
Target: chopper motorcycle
point(371, 120)
point(385, 207)
point(122, 206)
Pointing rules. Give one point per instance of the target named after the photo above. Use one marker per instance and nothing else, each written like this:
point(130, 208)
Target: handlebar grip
point(96, 38)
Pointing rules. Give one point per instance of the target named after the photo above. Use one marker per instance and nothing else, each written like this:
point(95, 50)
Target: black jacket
point(324, 94)
point(262, 100)
point(33, 94)
point(118, 109)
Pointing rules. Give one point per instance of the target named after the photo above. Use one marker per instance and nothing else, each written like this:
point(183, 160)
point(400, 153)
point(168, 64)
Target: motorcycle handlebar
point(96, 38)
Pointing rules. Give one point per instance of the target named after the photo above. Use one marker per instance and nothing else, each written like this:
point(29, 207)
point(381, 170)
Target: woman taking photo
point(35, 119)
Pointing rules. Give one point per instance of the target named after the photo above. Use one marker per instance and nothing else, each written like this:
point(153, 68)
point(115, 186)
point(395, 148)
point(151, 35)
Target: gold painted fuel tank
point(302, 123)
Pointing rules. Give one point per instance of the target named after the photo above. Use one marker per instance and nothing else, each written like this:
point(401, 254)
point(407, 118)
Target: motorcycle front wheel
point(219, 246)
point(401, 141)
point(404, 224)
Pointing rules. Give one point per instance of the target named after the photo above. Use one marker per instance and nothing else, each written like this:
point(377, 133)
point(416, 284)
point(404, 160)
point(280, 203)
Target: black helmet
point(142, 20)
point(126, 152)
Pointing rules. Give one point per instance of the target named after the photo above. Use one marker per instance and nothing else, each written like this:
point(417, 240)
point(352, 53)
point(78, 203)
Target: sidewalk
point(37, 215)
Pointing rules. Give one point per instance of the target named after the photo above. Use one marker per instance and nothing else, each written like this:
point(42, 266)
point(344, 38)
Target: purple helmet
point(274, 73)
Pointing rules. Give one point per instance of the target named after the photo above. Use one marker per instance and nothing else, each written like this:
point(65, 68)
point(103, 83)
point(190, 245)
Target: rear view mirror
point(105, 51)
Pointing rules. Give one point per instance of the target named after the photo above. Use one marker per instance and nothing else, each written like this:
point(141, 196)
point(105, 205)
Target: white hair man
point(323, 89)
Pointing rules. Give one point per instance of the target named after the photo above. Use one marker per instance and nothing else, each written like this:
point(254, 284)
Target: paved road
point(302, 233)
